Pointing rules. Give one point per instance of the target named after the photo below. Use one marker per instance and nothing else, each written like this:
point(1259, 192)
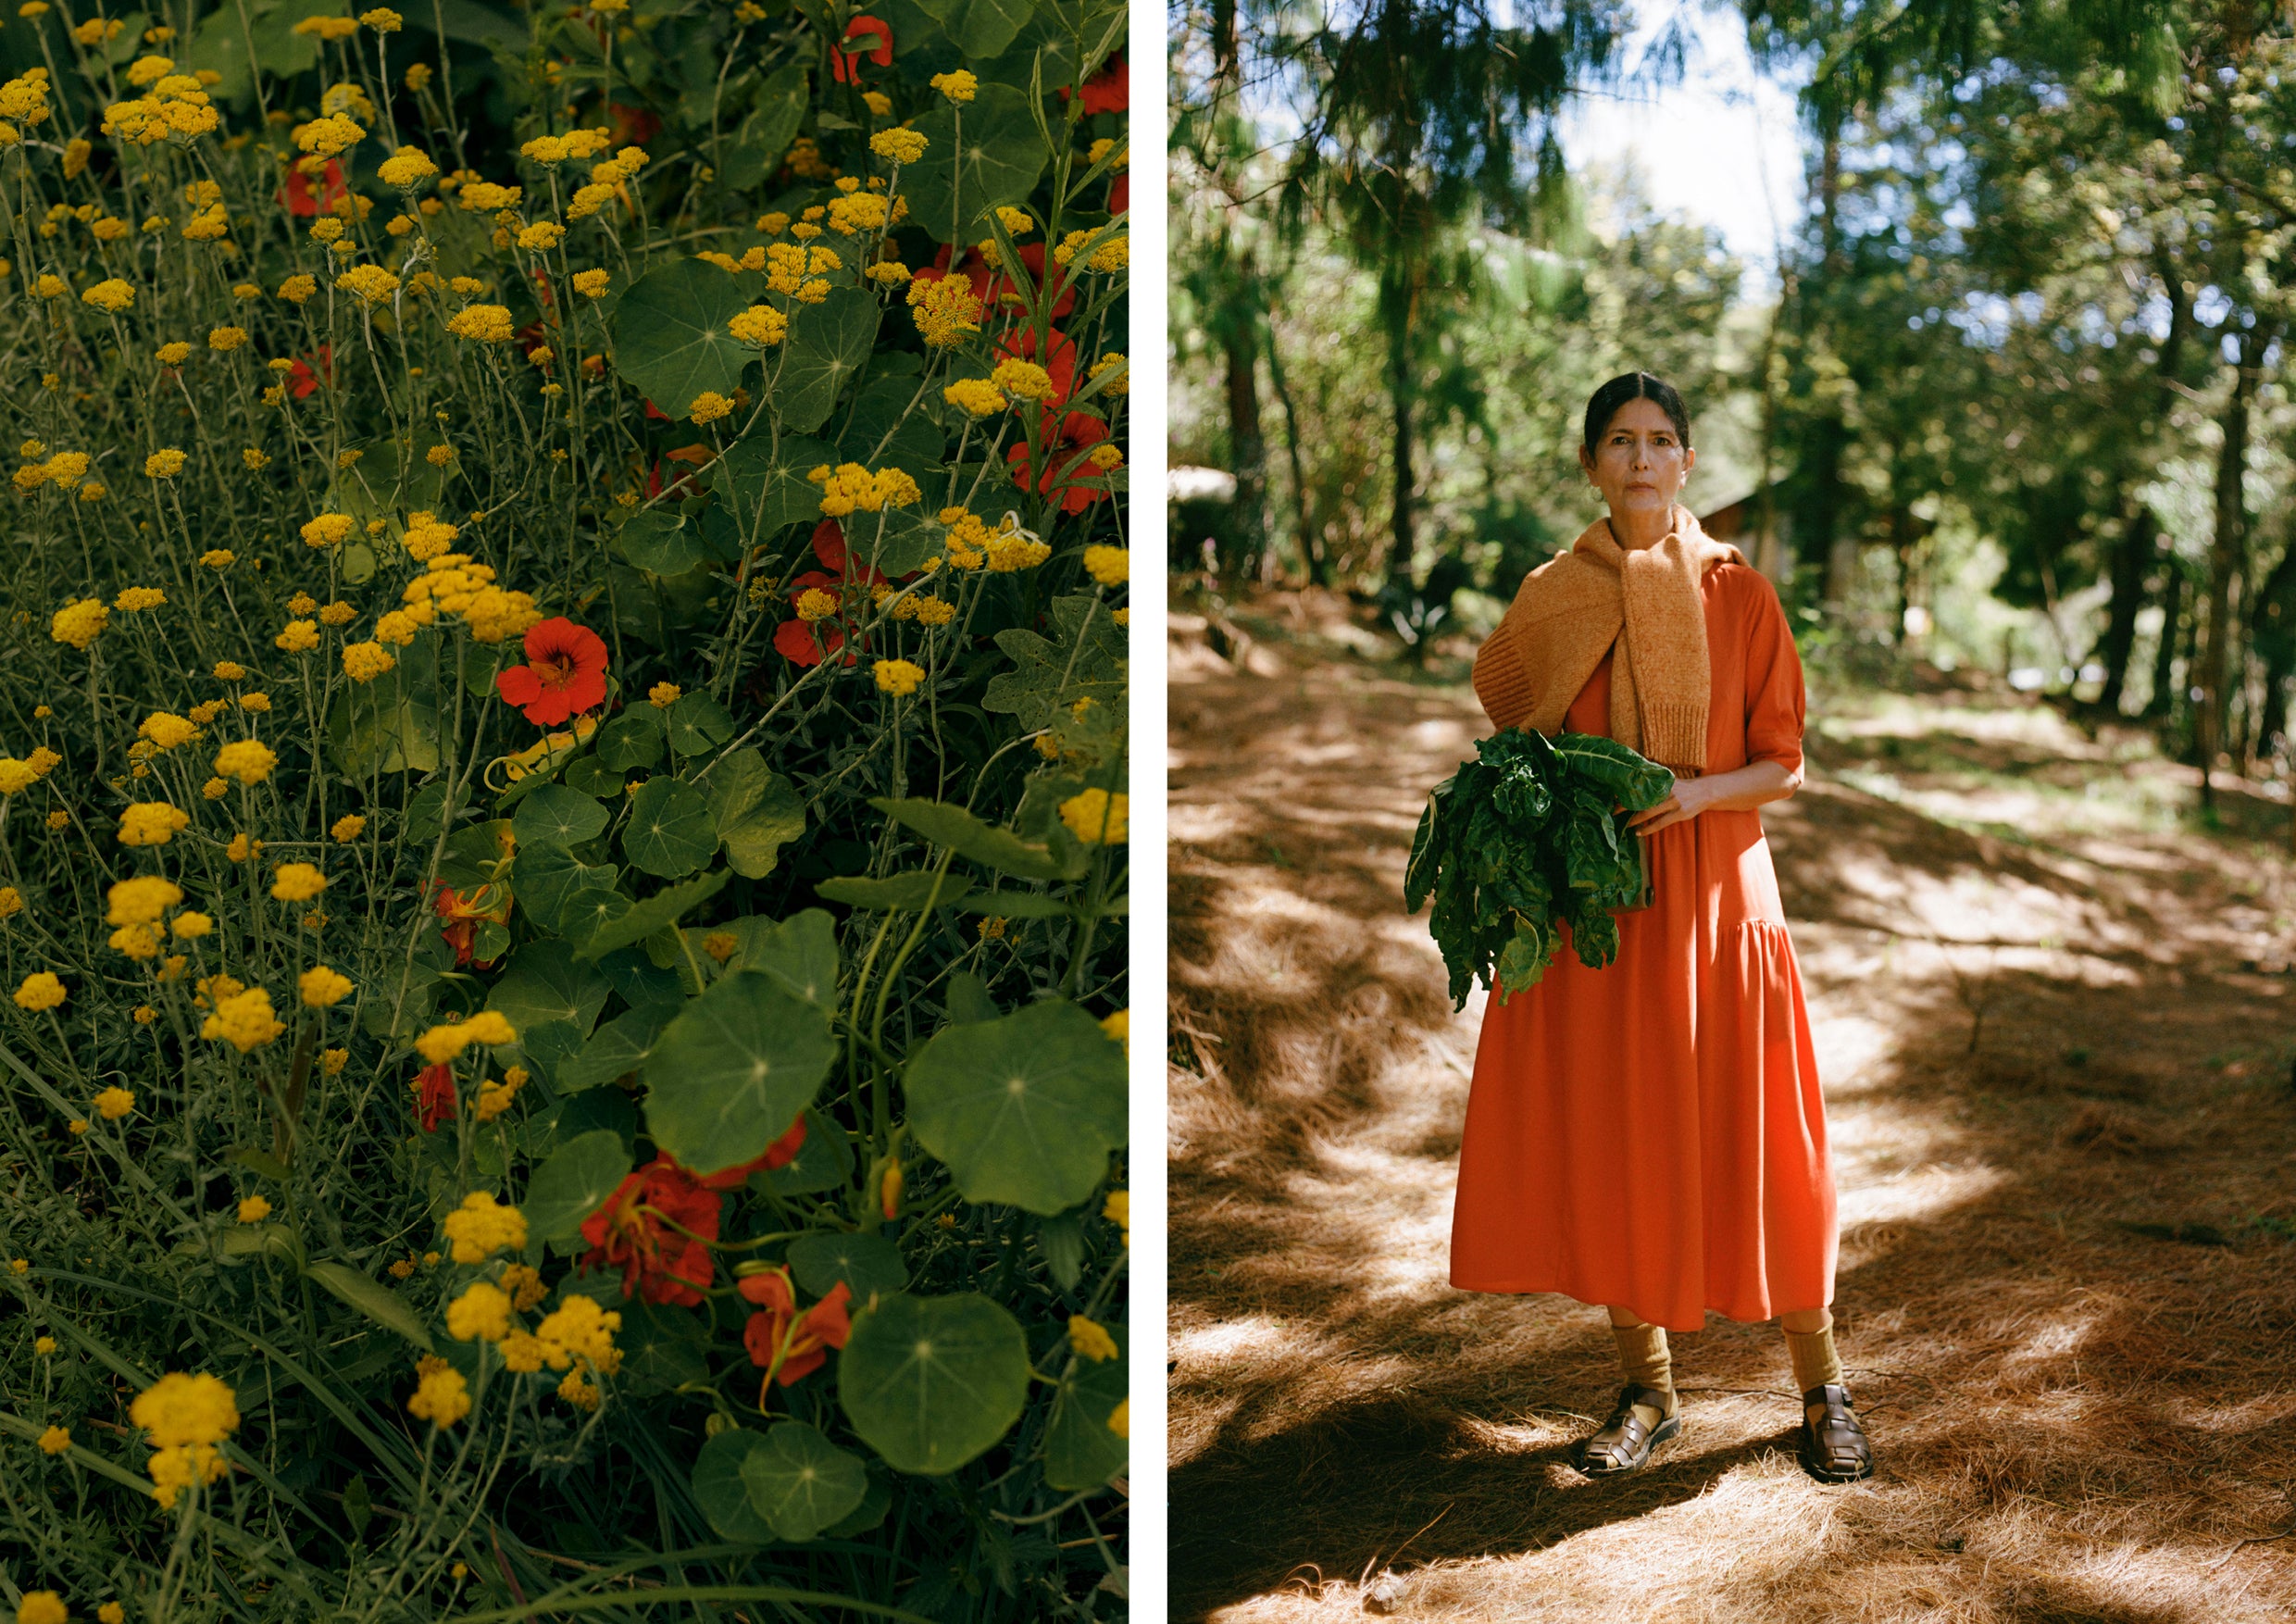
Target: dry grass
point(2078, 1419)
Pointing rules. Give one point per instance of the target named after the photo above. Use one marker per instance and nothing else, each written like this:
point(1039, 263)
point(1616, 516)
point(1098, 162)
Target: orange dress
point(1651, 1136)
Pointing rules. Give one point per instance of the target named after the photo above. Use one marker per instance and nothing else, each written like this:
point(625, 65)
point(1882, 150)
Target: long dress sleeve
point(1775, 701)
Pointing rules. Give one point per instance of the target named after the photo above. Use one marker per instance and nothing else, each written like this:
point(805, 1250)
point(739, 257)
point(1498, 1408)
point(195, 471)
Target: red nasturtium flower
point(297, 193)
point(659, 1263)
point(1110, 90)
point(802, 1343)
point(807, 644)
point(302, 381)
point(1068, 437)
point(780, 1154)
point(992, 286)
point(462, 915)
point(564, 674)
point(435, 1096)
point(865, 36)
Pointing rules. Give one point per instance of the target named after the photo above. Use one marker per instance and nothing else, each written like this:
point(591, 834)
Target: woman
point(1650, 1137)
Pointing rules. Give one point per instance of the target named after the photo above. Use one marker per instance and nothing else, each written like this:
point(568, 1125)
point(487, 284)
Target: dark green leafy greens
point(1521, 840)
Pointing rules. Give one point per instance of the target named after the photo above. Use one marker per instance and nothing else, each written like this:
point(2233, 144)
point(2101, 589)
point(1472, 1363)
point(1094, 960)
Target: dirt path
point(2078, 1419)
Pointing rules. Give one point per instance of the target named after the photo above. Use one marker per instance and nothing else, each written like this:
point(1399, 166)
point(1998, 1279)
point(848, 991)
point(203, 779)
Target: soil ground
point(2054, 1020)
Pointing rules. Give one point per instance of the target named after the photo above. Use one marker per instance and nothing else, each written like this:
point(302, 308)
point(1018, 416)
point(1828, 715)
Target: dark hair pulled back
point(1604, 403)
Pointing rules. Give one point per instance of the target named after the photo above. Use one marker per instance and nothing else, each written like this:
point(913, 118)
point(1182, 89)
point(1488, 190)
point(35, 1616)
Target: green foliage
point(1523, 840)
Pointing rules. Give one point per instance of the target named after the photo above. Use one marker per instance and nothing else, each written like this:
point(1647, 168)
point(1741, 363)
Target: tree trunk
point(2162, 701)
point(2272, 632)
point(1311, 546)
point(1247, 445)
point(1400, 391)
point(2227, 554)
point(2132, 561)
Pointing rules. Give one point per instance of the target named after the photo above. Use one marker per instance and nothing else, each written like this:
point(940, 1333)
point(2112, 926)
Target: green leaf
point(377, 1301)
point(823, 1162)
point(1024, 1109)
point(632, 739)
point(391, 724)
point(555, 815)
point(800, 953)
point(999, 162)
point(730, 1074)
point(669, 831)
point(1046, 680)
point(1079, 1450)
point(756, 812)
point(662, 1346)
point(574, 1183)
point(544, 981)
point(1017, 905)
point(969, 999)
point(653, 913)
point(800, 1482)
point(696, 722)
point(828, 344)
point(770, 492)
point(969, 837)
point(260, 1162)
point(670, 337)
point(930, 1383)
point(899, 893)
point(720, 1491)
point(868, 1264)
point(765, 134)
point(617, 1049)
point(591, 776)
point(664, 542)
point(869, 1514)
point(983, 28)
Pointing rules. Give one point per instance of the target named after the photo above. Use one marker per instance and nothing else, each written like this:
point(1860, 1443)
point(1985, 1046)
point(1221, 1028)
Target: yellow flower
point(300, 637)
point(112, 295)
point(42, 1606)
point(662, 696)
point(1090, 1340)
point(150, 823)
point(347, 828)
point(959, 86)
point(405, 169)
point(898, 676)
point(1023, 379)
point(180, 1411)
point(482, 323)
point(254, 1210)
point(710, 406)
point(143, 900)
point(812, 603)
point(327, 530)
point(111, 1613)
point(363, 662)
point(481, 1227)
point(371, 285)
point(760, 324)
point(441, 1396)
point(481, 1311)
point(138, 598)
point(296, 289)
point(945, 310)
point(163, 465)
point(1108, 565)
point(976, 396)
point(191, 925)
point(591, 284)
point(248, 760)
point(244, 1020)
point(114, 1103)
point(334, 1060)
point(1120, 1419)
point(903, 146)
point(322, 987)
point(1096, 818)
point(297, 882)
point(172, 355)
point(542, 236)
point(1117, 1208)
point(16, 775)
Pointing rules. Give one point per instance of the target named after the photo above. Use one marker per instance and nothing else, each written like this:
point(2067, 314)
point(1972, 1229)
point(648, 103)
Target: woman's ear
point(1586, 463)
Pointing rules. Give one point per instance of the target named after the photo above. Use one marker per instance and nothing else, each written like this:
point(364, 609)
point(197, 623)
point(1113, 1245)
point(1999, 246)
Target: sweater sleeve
point(1501, 682)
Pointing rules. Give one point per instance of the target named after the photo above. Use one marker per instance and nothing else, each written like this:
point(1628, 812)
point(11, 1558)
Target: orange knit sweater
point(1599, 598)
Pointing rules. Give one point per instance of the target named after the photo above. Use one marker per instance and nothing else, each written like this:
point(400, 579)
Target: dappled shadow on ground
point(2046, 1060)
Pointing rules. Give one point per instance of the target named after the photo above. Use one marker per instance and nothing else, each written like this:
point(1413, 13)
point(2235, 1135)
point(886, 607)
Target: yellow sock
point(1814, 1362)
point(1644, 1354)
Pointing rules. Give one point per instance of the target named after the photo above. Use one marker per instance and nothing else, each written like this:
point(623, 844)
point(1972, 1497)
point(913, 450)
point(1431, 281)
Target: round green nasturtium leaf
point(670, 832)
point(730, 1074)
point(720, 1491)
point(558, 815)
point(1025, 1108)
point(544, 982)
point(1081, 1450)
point(929, 1382)
point(800, 1482)
point(869, 1264)
point(663, 543)
point(574, 1183)
point(670, 337)
point(1001, 156)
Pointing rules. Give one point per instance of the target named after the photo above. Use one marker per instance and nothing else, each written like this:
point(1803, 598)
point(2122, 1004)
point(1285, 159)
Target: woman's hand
point(1690, 797)
point(1755, 784)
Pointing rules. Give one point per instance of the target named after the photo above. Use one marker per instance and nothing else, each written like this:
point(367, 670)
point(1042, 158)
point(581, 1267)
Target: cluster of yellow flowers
point(454, 585)
point(446, 1042)
point(850, 488)
point(944, 309)
point(242, 1018)
point(185, 1418)
point(484, 1227)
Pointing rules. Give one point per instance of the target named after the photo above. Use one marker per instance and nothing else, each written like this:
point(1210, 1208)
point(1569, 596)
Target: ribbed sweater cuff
point(1501, 683)
point(1675, 734)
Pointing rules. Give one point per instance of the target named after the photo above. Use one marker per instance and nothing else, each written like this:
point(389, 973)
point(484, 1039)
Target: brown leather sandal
point(1835, 1451)
point(1624, 1443)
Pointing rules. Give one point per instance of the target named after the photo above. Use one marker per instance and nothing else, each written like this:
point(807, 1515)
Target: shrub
point(562, 797)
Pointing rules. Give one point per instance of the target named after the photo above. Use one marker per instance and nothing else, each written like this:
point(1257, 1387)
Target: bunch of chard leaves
point(1530, 835)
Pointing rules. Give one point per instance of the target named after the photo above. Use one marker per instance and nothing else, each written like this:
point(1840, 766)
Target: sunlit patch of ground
point(2055, 1037)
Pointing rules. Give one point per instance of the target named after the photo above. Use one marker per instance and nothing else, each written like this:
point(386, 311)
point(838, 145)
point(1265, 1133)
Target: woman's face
point(1640, 460)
